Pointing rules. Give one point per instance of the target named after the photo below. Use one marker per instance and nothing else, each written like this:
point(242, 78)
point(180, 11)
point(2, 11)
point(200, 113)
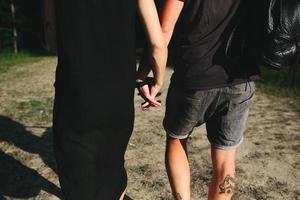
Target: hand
point(149, 91)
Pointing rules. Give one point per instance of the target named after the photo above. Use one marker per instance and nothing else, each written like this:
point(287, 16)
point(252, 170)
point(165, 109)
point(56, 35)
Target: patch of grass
point(40, 110)
point(279, 83)
point(145, 170)
point(153, 184)
point(33, 110)
point(7, 60)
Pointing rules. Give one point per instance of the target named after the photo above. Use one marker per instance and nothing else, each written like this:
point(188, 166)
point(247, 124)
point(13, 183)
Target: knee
point(223, 163)
point(173, 143)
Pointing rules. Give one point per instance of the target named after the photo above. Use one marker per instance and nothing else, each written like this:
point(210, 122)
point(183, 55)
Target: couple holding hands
point(96, 76)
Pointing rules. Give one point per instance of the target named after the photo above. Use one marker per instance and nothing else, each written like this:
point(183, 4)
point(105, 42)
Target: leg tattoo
point(227, 186)
point(177, 196)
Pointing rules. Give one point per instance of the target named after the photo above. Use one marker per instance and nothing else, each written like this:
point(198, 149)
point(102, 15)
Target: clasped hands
point(149, 91)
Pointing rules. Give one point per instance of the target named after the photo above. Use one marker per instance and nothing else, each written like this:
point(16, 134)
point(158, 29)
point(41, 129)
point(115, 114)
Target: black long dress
point(93, 111)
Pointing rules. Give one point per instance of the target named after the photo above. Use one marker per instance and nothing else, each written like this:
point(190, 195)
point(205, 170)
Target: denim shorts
point(224, 110)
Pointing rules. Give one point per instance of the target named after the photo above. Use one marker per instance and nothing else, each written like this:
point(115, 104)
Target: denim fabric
point(224, 110)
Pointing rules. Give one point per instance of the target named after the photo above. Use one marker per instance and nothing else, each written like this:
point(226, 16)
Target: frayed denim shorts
point(224, 110)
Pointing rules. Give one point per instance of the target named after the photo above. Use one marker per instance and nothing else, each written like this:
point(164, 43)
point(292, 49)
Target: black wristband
point(147, 81)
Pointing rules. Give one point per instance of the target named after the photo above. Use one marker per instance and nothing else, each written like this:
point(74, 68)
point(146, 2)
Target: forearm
point(168, 35)
point(154, 59)
point(157, 52)
point(158, 59)
point(169, 16)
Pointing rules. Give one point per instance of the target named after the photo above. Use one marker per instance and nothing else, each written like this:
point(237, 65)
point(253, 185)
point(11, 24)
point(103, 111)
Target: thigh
point(186, 109)
point(225, 129)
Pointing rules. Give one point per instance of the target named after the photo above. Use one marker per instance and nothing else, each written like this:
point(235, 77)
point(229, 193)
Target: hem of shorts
point(174, 136)
point(222, 147)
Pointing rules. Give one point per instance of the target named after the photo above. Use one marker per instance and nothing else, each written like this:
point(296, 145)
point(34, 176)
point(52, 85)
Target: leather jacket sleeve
point(280, 48)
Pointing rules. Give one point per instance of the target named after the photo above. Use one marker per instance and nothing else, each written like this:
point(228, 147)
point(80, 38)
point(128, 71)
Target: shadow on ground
point(18, 180)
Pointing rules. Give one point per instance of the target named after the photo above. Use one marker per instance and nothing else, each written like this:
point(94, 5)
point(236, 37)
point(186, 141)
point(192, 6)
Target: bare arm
point(169, 16)
point(159, 36)
point(157, 46)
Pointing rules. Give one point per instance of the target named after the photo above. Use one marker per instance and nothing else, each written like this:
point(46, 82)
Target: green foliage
point(6, 37)
point(8, 60)
point(285, 82)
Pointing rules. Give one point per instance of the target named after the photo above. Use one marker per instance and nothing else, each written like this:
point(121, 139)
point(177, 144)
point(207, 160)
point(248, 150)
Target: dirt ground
point(268, 165)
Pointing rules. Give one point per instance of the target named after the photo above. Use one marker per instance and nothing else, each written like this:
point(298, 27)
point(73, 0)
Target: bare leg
point(123, 195)
point(223, 180)
point(178, 169)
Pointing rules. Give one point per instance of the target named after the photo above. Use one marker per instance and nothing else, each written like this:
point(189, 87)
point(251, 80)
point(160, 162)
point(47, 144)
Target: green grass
point(39, 111)
point(279, 83)
point(8, 60)
point(145, 169)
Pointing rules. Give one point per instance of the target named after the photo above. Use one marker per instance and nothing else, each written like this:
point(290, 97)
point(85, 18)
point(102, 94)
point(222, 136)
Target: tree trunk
point(14, 28)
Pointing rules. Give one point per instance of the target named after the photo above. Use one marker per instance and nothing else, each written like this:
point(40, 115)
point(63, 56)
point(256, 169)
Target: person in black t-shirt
point(205, 88)
point(96, 69)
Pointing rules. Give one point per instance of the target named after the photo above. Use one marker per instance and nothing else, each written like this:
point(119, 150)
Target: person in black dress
point(95, 80)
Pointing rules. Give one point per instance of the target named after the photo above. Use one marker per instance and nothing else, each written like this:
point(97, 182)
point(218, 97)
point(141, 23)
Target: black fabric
point(93, 111)
point(283, 33)
point(204, 29)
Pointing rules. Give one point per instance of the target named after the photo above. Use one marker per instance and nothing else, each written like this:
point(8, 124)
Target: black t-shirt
point(204, 28)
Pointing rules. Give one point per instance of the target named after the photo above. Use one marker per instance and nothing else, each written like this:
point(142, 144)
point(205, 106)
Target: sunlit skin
point(169, 16)
point(168, 19)
point(123, 195)
point(156, 58)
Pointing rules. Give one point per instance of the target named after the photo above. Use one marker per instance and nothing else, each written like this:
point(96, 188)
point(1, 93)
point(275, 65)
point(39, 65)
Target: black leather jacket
point(281, 45)
point(267, 33)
